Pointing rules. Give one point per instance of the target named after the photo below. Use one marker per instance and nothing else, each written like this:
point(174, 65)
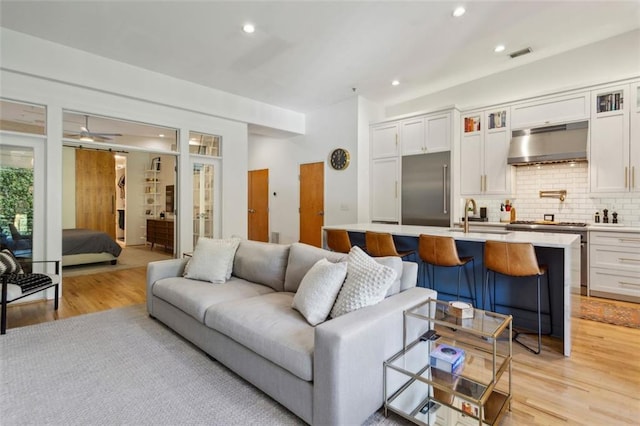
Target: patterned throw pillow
point(318, 290)
point(8, 263)
point(212, 260)
point(366, 284)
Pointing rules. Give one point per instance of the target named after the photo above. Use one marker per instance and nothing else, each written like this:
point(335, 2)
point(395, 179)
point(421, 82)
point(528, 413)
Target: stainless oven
point(579, 228)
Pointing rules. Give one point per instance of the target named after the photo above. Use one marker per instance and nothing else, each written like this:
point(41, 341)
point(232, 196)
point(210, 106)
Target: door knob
point(252, 211)
point(320, 213)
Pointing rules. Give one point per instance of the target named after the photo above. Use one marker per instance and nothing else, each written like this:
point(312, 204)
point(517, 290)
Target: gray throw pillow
point(319, 289)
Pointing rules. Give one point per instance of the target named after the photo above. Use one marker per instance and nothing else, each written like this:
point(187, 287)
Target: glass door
point(19, 185)
point(206, 207)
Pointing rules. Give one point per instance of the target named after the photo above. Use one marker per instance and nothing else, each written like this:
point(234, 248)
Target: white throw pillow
point(366, 284)
point(318, 290)
point(212, 260)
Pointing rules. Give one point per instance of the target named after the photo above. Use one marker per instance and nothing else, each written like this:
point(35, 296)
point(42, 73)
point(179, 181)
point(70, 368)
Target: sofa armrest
point(349, 352)
point(163, 269)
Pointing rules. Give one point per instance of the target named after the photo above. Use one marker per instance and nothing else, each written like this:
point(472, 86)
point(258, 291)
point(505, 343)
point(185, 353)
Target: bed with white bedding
point(84, 246)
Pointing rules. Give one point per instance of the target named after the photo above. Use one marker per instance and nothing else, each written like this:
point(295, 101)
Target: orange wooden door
point(96, 191)
point(259, 205)
point(311, 203)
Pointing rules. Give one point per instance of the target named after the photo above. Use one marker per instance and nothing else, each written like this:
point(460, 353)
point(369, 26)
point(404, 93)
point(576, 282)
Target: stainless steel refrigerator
point(426, 189)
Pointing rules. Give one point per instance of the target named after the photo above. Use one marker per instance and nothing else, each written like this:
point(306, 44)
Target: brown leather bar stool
point(338, 240)
point(381, 244)
point(442, 251)
point(517, 260)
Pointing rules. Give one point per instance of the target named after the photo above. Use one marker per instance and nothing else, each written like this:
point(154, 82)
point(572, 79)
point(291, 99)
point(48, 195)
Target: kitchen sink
point(486, 231)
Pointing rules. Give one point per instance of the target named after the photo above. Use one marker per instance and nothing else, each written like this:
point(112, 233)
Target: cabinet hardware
point(396, 189)
point(633, 176)
point(627, 284)
point(444, 188)
point(626, 175)
point(629, 240)
point(623, 260)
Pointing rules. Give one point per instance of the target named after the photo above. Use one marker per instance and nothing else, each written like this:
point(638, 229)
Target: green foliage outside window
point(16, 196)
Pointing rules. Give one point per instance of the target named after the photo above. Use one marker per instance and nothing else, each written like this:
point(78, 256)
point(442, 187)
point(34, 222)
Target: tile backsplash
point(579, 205)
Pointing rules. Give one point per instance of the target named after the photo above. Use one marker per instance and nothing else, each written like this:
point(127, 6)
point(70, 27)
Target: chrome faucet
point(466, 212)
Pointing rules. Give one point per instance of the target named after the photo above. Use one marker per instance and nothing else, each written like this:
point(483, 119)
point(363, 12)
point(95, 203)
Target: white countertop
point(541, 239)
point(613, 227)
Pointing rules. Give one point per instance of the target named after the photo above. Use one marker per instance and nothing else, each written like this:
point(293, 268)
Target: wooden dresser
point(160, 231)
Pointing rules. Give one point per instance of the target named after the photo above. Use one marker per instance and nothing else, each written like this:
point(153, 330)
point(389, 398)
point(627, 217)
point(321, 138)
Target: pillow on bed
point(212, 260)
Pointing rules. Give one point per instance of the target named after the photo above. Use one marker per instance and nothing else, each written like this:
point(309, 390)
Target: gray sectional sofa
point(330, 374)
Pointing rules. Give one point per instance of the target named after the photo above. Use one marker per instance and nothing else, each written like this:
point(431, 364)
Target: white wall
point(31, 55)
point(328, 128)
point(602, 62)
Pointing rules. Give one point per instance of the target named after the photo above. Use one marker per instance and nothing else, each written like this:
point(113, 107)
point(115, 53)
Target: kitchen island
point(560, 252)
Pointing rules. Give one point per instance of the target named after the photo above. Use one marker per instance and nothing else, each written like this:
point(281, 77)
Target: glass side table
point(473, 390)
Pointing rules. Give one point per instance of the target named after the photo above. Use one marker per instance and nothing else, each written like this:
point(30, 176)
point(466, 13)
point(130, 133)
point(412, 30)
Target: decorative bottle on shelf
point(615, 217)
point(597, 217)
point(605, 216)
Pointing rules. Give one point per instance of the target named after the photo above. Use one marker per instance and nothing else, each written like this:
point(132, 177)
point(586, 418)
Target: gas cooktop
point(547, 225)
point(547, 222)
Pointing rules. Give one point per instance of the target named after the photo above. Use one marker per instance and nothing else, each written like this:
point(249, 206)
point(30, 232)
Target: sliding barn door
point(96, 191)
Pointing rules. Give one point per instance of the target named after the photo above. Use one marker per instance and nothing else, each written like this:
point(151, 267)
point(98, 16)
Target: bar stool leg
point(472, 289)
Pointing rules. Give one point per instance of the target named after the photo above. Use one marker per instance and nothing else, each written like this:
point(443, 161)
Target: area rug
point(121, 367)
point(611, 313)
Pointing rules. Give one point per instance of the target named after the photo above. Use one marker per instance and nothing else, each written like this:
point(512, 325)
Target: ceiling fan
point(87, 135)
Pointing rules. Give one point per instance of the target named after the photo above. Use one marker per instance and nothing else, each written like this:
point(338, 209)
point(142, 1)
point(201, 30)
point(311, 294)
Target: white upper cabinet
point(634, 137)
point(421, 135)
point(612, 145)
point(384, 140)
point(413, 136)
point(438, 129)
point(484, 149)
point(550, 110)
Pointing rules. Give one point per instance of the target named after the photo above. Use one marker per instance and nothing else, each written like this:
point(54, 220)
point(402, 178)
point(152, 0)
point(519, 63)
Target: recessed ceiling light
point(395, 82)
point(248, 28)
point(161, 135)
point(459, 11)
point(499, 48)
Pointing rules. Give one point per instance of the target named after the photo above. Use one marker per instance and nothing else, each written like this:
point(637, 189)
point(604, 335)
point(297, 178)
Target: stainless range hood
point(550, 144)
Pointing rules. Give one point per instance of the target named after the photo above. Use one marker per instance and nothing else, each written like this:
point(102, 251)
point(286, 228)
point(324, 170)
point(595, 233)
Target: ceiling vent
point(525, 51)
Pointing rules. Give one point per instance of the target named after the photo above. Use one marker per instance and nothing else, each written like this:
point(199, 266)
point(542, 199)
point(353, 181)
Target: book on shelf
point(447, 358)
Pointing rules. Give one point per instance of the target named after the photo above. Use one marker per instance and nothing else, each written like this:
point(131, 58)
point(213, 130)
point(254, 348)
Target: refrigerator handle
point(444, 188)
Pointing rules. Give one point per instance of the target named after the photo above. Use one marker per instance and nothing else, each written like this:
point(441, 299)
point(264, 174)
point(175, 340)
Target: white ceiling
point(308, 54)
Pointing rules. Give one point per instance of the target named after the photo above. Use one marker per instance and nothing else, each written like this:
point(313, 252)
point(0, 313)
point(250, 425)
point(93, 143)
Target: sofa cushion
point(212, 260)
point(395, 263)
point(318, 290)
point(269, 327)
point(301, 258)
point(262, 263)
point(366, 284)
point(195, 297)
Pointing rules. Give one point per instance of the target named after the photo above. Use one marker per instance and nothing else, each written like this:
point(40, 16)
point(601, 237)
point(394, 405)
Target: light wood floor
point(598, 385)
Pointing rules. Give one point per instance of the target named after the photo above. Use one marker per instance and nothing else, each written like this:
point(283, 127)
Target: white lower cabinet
point(384, 190)
point(614, 259)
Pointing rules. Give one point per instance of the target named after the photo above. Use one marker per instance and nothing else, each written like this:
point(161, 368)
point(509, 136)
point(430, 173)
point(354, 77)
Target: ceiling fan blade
point(102, 134)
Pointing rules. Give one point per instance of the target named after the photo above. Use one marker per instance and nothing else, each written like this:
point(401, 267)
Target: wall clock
point(340, 158)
